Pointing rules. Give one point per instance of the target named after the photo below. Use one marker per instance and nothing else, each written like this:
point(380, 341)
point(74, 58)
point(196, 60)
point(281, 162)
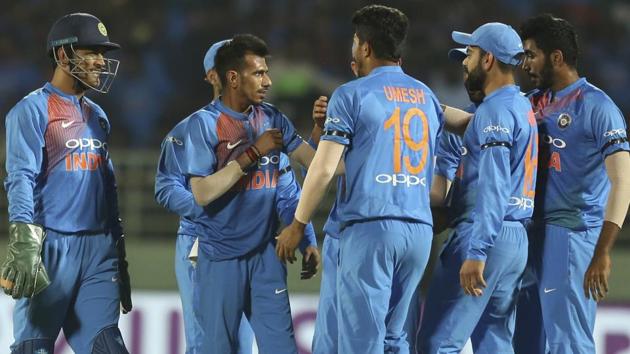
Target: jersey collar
point(565, 91)
point(232, 113)
point(502, 91)
point(51, 88)
point(386, 69)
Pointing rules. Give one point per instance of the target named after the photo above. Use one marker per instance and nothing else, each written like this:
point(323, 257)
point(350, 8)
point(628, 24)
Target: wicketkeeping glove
point(22, 274)
point(123, 273)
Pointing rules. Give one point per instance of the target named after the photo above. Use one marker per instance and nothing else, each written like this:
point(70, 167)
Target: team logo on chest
point(564, 120)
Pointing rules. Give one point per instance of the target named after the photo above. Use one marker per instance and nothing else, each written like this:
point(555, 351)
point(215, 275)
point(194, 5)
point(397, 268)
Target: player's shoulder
point(348, 90)
point(206, 115)
point(269, 109)
point(31, 103)
point(96, 108)
point(180, 128)
point(595, 97)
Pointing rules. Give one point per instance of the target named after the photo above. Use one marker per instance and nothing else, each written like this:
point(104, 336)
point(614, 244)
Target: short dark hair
point(231, 56)
point(552, 33)
point(384, 28)
point(503, 67)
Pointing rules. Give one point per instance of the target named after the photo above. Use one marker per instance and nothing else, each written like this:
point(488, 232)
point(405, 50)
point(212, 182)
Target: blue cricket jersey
point(172, 189)
point(59, 174)
point(449, 151)
point(389, 122)
point(579, 127)
point(497, 175)
point(244, 217)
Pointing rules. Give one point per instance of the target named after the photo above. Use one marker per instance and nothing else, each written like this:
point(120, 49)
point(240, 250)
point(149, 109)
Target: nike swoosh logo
point(231, 146)
point(548, 290)
point(280, 291)
point(66, 124)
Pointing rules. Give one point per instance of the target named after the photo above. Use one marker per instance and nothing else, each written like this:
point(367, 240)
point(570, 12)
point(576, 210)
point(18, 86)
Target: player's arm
point(319, 117)
point(455, 120)
point(317, 179)
point(493, 193)
point(610, 134)
point(170, 187)
point(208, 185)
point(447, 160)
point(439, 189)
point(287, 197)
point(22, 273)
point(596, 276)
point(299, 150)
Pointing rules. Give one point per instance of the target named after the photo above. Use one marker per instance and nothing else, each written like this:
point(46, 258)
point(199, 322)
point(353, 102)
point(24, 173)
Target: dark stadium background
point(160, 80)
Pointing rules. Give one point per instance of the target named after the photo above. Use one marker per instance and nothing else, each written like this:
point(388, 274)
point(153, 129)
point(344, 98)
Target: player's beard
point(79, 86)
point(475, 79)
point(546, 75)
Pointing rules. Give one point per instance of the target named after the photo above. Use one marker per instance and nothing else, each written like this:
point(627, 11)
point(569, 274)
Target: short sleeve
point(493, 127)
point(291, 140)
point(339, 125)
point(609, 128)
point(199, 157)
point(448, 155)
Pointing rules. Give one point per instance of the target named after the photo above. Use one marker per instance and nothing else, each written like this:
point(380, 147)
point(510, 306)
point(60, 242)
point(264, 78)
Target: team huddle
point(535, 187)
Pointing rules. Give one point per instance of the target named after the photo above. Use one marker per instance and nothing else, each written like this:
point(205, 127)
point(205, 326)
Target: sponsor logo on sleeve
point(496, 129)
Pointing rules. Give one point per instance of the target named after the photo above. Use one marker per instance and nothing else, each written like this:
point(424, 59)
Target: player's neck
point(65, 83)
point(564, 79)
point(376, 63)
point(497, 81)
point(235, 102)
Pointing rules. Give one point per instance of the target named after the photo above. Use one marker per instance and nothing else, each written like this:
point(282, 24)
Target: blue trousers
point(184, 272)
point(529, 332)
point(568, 316)
point(451, 317)
point(256, 285)
point(82, 297)
point(381, 263)
point(325, 337)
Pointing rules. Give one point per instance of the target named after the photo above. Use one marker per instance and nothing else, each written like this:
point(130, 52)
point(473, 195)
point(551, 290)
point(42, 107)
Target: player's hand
point(22, 274)
point(319, 111)
point(471, 277)
point(268, 141)
point(288, 240)
point(310, 262)
point(596, 276)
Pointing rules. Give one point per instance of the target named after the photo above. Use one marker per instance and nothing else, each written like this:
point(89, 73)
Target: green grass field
point(151, 267)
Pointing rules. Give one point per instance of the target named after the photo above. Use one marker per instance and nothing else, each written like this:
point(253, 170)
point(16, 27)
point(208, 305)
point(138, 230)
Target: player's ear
point(232, 78)
point(366, 49)
point(487, 61)
point(62, 56)
point(556, 57)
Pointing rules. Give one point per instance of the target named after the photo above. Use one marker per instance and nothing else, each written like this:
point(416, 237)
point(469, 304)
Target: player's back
point(393, 120)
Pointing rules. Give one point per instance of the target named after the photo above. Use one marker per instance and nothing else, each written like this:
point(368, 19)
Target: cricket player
point(386, 123)
point(173, 193)
point(492, 196)
point(584, 186)
point(231, 159)
point(447, 156)
point(65, 260)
